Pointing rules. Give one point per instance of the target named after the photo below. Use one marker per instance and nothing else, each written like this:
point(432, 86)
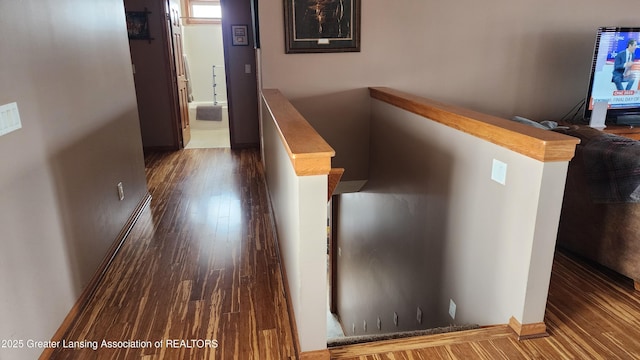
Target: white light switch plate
point(452, 309)
point(499, 172)
point(9, 118)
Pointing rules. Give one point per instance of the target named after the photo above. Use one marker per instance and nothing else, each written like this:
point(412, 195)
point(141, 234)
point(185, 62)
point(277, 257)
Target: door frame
point(174, 96)
point(333, 251)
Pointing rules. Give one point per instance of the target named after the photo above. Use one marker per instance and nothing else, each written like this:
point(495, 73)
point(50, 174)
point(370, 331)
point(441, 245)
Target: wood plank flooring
point(592, 313)
point(202, 264)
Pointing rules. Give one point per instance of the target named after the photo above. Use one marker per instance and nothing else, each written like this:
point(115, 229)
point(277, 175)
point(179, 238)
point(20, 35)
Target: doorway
point(204, 58)
point(157, 79)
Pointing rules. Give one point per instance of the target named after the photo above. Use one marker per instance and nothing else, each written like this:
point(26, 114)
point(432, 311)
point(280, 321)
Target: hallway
point(200, 264)
point(200, 269)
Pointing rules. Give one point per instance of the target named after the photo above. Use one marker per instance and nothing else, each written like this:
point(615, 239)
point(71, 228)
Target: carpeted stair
point(350, 340)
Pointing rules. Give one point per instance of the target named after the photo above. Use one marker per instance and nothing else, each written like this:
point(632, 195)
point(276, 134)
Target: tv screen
point(615, 71)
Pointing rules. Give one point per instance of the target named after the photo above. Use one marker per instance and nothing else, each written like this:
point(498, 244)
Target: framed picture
point(138, 25)
point(316, 26)
point(240, 35)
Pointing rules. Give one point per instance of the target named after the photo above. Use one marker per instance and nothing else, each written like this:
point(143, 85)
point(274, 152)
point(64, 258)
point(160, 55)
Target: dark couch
point(600, 217)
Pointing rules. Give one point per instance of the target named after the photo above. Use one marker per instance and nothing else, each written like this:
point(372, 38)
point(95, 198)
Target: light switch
point(9, 118)
point(247, 68)
point(499, 172)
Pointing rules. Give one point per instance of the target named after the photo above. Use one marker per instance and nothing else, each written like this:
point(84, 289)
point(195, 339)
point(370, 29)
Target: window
point(203, 11)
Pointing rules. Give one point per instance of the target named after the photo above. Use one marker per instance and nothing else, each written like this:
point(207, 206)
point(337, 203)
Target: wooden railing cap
point(309, 153)
point(542, 145)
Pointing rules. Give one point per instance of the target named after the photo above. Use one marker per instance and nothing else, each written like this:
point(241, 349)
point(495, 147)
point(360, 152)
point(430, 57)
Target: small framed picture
point(138, 25)
point(240, 35)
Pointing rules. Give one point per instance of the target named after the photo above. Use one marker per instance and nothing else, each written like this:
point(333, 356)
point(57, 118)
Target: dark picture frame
point(322, 26)
point(256, 24)
point(138, 25)
point(240, 35)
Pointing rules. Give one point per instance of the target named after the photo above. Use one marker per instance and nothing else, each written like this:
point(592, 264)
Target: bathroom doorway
point(204, 54)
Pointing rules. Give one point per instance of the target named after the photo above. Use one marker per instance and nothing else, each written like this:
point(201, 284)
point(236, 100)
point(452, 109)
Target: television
point(610, 82)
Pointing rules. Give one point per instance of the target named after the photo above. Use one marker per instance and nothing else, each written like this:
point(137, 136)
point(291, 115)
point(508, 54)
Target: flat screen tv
point(615, 75)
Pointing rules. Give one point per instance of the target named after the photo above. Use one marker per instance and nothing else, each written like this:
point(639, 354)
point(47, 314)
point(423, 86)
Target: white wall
point(203, 47)
point(430, 225)
point(300, 209)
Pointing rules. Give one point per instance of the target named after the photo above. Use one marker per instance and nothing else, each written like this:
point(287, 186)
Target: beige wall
point(67, 65)
point(300, 211)
point(431, 225)
point(502, 57)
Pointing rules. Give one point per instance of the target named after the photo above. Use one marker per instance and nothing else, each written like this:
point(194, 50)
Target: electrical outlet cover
point(499, 172)
point(9, 118)
point(120, 191)
point(452, 309)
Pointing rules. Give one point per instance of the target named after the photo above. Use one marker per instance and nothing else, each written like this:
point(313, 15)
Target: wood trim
point(91, 287)
point(309, 153)
point(334, 178)
point(542, 145)
point(200, 21)
point(315, 355)
point(528, 331)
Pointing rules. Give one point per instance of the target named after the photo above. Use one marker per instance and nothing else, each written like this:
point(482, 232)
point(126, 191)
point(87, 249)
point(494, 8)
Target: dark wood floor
point(592, 313)
point(202, 264)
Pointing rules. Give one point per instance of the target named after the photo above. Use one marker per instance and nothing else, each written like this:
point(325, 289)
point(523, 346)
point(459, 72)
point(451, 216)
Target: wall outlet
point(364, 326)
point(379, 323)
point(499, 172)
point(9, 118)
point(120, 191)
point(395, 318)
point(353, 328)
point(419, 315)
point(452, 309)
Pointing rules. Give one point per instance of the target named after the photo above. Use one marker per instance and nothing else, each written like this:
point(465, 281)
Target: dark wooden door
point(176, 44)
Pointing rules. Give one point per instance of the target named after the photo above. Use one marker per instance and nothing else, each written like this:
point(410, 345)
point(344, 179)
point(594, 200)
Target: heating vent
point(9, 118)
